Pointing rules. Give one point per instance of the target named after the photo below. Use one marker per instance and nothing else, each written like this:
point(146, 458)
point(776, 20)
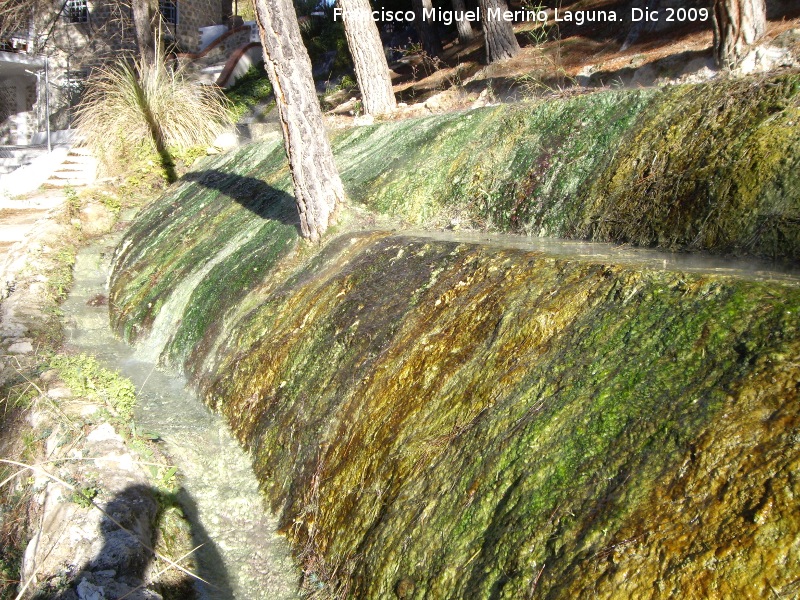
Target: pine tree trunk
point(465, 32)
point(499, 34)
point(369, 60)
point(738, 24)
point(143, 13)
point(318, 189)
point(431, 42)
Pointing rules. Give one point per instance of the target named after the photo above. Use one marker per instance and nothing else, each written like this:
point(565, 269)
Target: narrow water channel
point(242, 556)
point(747, 268)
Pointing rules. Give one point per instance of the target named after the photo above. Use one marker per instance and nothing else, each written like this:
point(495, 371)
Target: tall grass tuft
point(133, 102)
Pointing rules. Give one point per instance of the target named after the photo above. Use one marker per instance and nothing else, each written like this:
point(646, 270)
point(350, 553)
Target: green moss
point(711, 167)
point(467, 420)
point(717, 177)
point(249, 90)
point(521, 417)
point(226, 285)
point(209, 205)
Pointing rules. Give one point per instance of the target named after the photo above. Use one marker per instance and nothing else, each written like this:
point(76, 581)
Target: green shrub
point(130, 103)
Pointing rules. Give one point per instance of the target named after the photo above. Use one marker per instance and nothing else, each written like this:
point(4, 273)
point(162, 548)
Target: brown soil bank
point(441, 419)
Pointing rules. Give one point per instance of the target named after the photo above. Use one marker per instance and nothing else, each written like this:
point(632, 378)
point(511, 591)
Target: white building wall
point(22, 114)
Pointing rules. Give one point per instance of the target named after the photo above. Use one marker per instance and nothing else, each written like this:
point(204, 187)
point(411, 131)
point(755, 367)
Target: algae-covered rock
point(695, 167)
point(701, 167)
point(476, 420)
point(434, 418)
point(707, 167)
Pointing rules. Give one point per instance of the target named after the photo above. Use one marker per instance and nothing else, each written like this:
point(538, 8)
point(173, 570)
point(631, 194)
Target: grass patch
point(250, 89)
point(87, 378)
point(129, 104)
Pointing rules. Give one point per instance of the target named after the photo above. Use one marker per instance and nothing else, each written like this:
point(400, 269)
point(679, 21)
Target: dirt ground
point(563, 58)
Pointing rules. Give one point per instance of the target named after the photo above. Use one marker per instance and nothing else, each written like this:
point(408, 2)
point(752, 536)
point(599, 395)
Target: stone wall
point(32, 114)
point(76, 49)
point(237, 40)
point(193, 14)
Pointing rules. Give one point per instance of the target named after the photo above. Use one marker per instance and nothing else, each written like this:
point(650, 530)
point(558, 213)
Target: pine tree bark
point(465, 32)
point(498, 33)
point(318, 189)
point(738, 24)
point(144, 12)
point(431, 42)
point(369, 60)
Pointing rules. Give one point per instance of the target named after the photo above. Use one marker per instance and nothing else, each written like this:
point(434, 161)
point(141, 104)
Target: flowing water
point(746, 268)
point(242, 556)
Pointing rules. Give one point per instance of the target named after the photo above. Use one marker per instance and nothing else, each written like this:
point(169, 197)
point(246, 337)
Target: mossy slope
point(454, 418)
point(436, 419)
point(712, 167)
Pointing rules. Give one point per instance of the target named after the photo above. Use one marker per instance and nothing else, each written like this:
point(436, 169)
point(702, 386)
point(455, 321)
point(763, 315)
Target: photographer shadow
point(126, 567)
